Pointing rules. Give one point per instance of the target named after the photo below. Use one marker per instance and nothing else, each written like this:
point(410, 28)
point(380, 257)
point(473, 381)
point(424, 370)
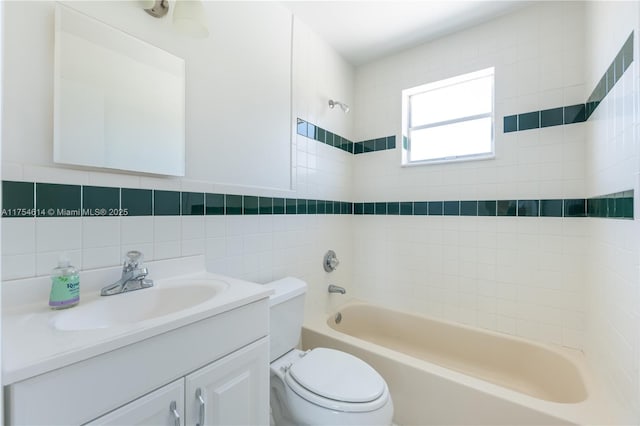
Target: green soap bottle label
point(65, 290)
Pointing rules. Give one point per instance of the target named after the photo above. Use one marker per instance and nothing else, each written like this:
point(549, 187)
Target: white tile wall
point(18, 247)
point(612, 165)
point(268, 247)
point(522, 276)
point(100, 242)
point(515, 275)
point(136, 233)
point(257, 248)
point(193, 235)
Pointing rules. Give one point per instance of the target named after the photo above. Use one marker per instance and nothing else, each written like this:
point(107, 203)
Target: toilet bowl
point(321, 386)
point(327, 387)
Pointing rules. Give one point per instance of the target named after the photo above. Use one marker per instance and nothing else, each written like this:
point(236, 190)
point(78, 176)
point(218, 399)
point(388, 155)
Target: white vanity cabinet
point(229, 391)
point(163, 407)
point(226, 356)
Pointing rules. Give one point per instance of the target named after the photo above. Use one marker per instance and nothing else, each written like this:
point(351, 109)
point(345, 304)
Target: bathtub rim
point(597, 408)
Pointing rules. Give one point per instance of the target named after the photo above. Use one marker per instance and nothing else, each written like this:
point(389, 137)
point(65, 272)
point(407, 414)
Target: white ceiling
point(362, 31)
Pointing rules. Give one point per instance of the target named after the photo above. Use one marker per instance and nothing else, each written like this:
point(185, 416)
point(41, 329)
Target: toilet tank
point(286, 314)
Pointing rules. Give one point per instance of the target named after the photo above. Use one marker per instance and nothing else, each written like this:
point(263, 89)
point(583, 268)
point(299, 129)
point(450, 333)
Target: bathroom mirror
point(119, 102)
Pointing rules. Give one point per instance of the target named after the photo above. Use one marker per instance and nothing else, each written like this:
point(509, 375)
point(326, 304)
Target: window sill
point(482, 157)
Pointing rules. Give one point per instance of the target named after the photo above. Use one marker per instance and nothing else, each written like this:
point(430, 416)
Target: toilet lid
point(337, 375)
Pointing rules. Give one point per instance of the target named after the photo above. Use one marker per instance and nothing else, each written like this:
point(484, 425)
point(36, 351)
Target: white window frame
point(406, 118)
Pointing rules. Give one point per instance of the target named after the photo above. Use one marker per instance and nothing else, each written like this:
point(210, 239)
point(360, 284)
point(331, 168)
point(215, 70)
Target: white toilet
point(322, 386)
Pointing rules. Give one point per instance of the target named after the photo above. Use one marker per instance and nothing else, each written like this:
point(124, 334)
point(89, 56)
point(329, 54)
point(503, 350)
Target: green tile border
point(193, 204)
point(265, 205)
point(618, 205)
point(452, 208)
point(213, 204)
point(545, 118)
point(312, 131)
point(232, 204)
point(136, 202)
point(529, 208)
point(613, 206)
point(21, 199)
point(372, 145)
point(18, 199)
point(278, 205)
point(435, 208)
point(616, 69)
point(575, 208)
point(488, 208)
point(507, 208)
point(468, 208)
point(98, 201)
point(301, 206)
point(250, 205)
point(166, 203)
point(529, 120)
point(551, 208)
point(575, 113)
point(58, 200)
point(406, 208)
point(290, 206)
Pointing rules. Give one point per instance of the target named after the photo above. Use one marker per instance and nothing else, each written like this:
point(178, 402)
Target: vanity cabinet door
point(231, 391)
point(164, 406)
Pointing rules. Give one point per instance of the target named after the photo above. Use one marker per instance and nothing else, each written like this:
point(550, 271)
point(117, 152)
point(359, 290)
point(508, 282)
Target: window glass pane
point(457, 139)
point(451, 102)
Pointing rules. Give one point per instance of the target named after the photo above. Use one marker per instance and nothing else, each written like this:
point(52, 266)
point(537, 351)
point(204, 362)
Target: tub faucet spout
point(336, 289)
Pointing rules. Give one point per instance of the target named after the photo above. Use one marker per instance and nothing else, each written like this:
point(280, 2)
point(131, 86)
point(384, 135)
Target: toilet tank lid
point(285, 289)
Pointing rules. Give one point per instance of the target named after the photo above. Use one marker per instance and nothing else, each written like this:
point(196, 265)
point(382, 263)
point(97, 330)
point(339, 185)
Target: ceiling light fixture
point(156, 8)
point(189, 18)
point(345, 108)
point(188, 15)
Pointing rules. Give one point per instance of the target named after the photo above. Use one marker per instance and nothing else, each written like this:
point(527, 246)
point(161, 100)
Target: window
point(449, 120)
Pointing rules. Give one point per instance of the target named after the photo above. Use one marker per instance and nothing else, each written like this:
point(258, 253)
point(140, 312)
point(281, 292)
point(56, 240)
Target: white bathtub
point(443, 373)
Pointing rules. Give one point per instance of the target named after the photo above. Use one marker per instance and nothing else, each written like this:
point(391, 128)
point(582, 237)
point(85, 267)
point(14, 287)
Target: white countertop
point(32, 346)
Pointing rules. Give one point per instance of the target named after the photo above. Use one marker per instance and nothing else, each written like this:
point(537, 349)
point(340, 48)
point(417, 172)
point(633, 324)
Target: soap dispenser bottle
point(65, 285)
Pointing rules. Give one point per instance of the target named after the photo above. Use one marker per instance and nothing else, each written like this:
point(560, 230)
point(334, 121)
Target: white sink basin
point(166, 297)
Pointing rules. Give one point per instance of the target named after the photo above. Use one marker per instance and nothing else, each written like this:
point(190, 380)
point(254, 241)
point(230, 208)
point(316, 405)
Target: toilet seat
point(338, 381)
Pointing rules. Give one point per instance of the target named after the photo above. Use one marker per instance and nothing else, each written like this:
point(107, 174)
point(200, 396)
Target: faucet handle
point(330, 261)
point(133, 259)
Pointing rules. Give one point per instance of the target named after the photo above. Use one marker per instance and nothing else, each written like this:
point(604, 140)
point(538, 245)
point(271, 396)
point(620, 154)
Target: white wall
point(237, 104)
point(258, 248)
point(523, 275)
point(613, 164)
point(321, 74)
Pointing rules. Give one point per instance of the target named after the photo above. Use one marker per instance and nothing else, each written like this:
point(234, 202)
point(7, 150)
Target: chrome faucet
point(134, 276)
point(336, 289)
